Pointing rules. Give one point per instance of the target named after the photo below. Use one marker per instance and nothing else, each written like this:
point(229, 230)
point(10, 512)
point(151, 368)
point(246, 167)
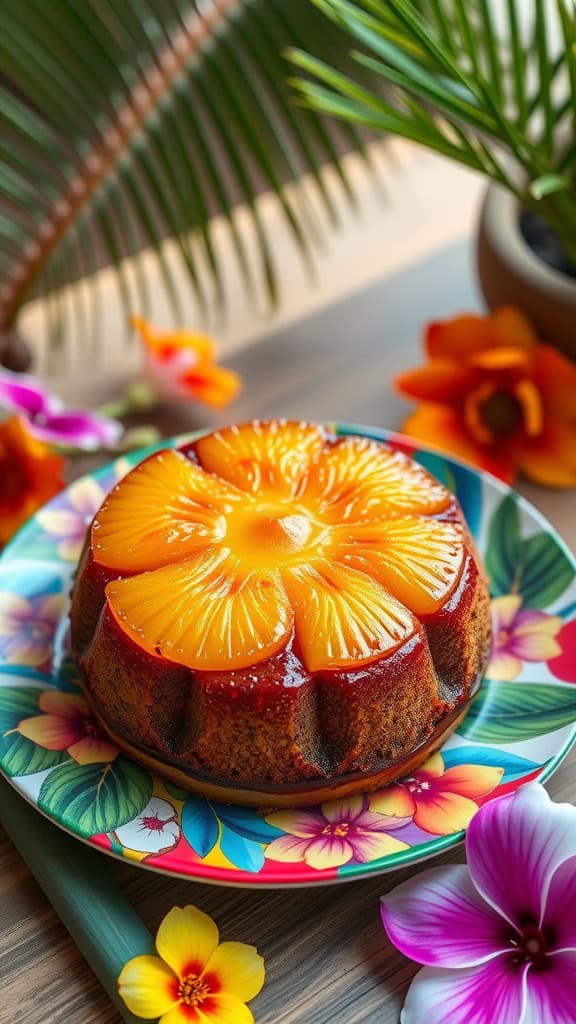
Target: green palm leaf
point(491, 85)
point(124, 123)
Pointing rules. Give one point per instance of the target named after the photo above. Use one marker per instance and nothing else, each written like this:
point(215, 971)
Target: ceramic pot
point(510, 272)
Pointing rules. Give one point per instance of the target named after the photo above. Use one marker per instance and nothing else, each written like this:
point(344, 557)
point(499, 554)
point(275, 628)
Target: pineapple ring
point(277, 530)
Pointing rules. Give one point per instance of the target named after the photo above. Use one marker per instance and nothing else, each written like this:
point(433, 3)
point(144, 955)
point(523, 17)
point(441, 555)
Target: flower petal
point(148, 986)
point(93, 750)
point(504, 610)
point(52, 731)
point(60, 524)
point(444, 813)
point(395, 800)
point(510, 328)
point(559, 915)
point(441, 380)
point(86, 496)
point(219, 1008)
point(346, 809)
point(444, 428)
point(153, 830)
point(459, 337)
point(370, 846)
point(515, 845)
point(342, 617)
point(287, 849)
point(15, 612)
point(303, 823)
point(471, 780)
point(437, 918)
point(67, 705)
point(534, 646)
point(503, 666)
point(327, 852)
point(262, 457)
point(239, 970)
point(550, 458)
point(186, 939)
point(78, 428)
point(214, 385)
point(491, 993)
point(551, 993)
point(202, 613)
point(531, 620)
point(556, 378)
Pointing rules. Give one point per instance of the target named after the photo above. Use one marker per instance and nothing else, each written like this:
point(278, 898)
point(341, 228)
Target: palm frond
point(489, 85)
point(124, 123)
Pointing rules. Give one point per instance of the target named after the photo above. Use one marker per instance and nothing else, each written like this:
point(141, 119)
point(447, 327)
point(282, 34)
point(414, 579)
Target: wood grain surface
point(327, 958)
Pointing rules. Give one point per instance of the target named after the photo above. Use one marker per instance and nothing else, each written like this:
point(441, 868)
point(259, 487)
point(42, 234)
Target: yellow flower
point(194, 980)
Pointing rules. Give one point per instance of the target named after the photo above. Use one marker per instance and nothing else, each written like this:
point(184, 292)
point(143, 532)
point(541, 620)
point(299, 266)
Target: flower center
point(417, 785)
point(501, 413)
point(90, 727)
point(532, 943)
point(341, 828)
point(193, 990)
point(153, 823)
point(502, 638)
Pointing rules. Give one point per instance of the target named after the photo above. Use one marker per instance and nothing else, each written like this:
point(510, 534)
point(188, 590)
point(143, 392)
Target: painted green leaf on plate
point(511, 712)
point(94, 798)
point(536, 567)
point(18, 755)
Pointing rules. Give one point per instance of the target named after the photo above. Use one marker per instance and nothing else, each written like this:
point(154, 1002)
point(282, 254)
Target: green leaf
point(502, 558)
point(547, 184)
point(19, 755)
point(512, 712)
point(546, 571)
point(93, 798)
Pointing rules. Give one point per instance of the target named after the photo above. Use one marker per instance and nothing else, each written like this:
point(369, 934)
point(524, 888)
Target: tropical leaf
point(93, 798)
point(537, 567)
point(511, 712)
point(122, 125)
point(246, 822)
point(19, 755)
point(491, 86)
point(514, 767)
point(199, 825)
point(241, 852)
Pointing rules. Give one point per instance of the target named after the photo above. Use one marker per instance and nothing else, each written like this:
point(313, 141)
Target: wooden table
point(328, 960)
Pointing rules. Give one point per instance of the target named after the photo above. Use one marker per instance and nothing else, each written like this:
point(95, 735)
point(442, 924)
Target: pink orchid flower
point(497, 938)
point(520, 635)
point(66, 723)
point(49, 421)
point(338, 832)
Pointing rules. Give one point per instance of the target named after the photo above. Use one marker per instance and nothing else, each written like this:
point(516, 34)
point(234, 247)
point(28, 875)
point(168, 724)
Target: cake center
point(272, 534)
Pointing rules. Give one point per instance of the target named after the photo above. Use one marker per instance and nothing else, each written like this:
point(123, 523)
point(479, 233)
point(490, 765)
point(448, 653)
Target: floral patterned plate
point(519, 728)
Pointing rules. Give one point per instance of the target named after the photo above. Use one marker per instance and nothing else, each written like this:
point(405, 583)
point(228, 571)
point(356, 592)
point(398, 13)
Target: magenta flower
point(497, 938)
point(339, 832)
point(49, 421)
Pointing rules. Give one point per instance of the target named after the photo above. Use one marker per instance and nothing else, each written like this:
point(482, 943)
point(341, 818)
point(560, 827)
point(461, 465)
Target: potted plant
point(493, 87)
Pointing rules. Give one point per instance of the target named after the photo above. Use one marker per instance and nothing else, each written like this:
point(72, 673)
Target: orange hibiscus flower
point(181, 365)
point(30, 475)
point(493, 395)
point(440, 800)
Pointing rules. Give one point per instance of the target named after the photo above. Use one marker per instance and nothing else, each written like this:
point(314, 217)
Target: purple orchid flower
point(497, 938)
point(49, 421)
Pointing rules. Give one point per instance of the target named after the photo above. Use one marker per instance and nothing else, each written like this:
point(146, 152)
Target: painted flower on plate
point(194, 979)
point(155, 830)
point(181, 365)
point(497, 938)
point(69, 523)
point(28, 626)
point(66, 724)
point(520, 635)
point(49, 421)
point(439, 800)
point(334, 834)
